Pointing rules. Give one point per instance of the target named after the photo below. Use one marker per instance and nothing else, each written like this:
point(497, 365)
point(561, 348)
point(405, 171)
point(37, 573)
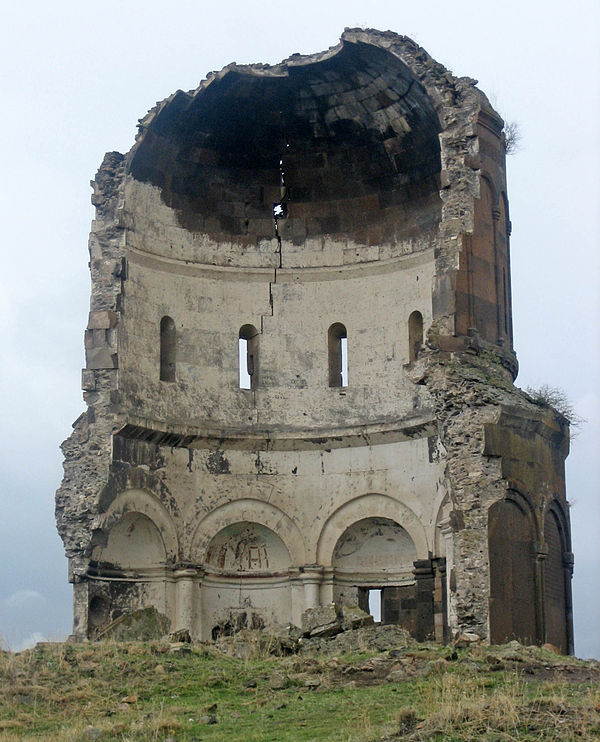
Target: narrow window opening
point(415, 335)
point(168, 344)
point(245, 378)
point(337, 340)
point(248, 357)
point(375, 603)
point(344, 353)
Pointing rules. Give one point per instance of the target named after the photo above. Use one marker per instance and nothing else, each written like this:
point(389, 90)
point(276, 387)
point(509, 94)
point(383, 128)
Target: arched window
point(167, 349)
point(415, 335)
point(248, 357)
point(337, 341)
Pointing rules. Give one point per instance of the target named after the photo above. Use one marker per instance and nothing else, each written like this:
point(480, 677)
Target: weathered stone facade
point(299, 363)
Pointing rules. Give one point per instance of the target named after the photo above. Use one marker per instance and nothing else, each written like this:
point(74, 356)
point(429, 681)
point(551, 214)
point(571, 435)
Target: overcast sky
point(76, 77)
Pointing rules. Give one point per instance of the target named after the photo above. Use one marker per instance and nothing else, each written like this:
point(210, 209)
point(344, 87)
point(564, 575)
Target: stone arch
point(512, 533)
point(133, 542)
point(369, 506)
point(246, 581)
point(488, 181)
point(247, 548)
point(143, 503)
point(525, 502)
point(253, 511)
point(557, 597)
point(376, 557)
point(415, 335)
point(374, 546)
point(441, 520)
point(558, 509)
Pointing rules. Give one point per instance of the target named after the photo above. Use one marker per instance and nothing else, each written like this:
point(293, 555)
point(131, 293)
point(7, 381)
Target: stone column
point(185, 580)
point(80, 610)
point(440, 610)
point(445, 527)
point(311, 576)
point(297, 596)
point(81, 600)
point(327, 586)
point(424, 595)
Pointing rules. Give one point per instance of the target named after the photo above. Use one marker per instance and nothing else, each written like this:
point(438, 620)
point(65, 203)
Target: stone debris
point(208, 719)
point(352, 617)
point(376, 638)
point(183, 635)
point(179, 648)
point(321, 622)
point(278, 681)
point(312, 682)
point(466, 639)
point(144, 624)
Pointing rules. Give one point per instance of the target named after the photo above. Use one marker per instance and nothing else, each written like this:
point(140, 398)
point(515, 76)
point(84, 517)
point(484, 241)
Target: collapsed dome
point(347, 144)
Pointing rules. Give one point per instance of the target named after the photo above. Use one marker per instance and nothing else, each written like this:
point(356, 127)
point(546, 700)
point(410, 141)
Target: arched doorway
point(246, 582)
point(377, 554)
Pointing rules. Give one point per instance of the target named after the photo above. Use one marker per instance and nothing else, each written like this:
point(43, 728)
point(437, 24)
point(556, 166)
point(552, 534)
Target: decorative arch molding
point(525, 503)
point(558, 509)
point(504, 199)
point(369, 506)
point(557, 572)
point(442, 507)
point(140, 501)
point(489, 181)
point(443, 499)
point(252, 511)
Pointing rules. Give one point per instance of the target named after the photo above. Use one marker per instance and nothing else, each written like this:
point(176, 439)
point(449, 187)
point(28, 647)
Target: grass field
point(157, 691)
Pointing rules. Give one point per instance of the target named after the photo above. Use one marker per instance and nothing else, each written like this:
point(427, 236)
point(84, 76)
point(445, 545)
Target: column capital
point(445, 526)
point(187, 571)
point(541, 550)
point(311, 573)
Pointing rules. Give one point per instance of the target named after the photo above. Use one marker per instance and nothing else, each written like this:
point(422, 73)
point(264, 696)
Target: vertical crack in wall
point(280, 209)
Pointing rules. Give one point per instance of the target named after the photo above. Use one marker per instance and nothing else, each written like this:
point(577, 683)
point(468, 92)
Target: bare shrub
point(556, 399)
point(512, 137)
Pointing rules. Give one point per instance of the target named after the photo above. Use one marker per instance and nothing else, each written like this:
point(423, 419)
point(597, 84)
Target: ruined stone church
point(299, 364)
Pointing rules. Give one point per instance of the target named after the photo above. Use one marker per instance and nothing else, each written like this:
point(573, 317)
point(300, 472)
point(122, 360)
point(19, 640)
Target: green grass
point(138, 691)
